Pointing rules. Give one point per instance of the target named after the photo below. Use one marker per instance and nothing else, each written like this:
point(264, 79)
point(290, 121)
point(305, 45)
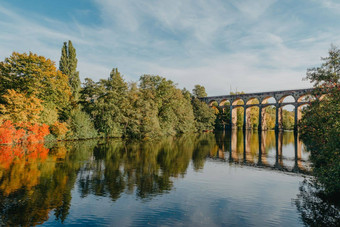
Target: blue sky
point(243, 44)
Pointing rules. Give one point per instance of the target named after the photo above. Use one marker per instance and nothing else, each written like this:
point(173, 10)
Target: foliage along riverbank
point(320, 126)
point(41, 102)
point(53, 102)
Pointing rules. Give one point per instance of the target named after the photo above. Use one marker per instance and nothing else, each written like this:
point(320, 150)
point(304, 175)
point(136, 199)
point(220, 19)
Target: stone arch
point(211, 102)
point(235, 101)
point(255, 100)
point(309, 97)
point(266, 99)
point(284, 97)
point(224, 101)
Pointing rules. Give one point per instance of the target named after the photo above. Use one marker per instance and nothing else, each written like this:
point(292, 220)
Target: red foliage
point(22, 132)
point(8, 154)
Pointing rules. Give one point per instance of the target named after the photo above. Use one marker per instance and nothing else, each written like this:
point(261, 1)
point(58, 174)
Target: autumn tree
point(35, 76)
point(20, 108)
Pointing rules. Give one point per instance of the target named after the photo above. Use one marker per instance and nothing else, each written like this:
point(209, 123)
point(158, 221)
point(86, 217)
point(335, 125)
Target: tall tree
point(68, 65)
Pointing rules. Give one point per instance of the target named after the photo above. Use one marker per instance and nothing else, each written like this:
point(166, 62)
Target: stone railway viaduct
point(232, 101)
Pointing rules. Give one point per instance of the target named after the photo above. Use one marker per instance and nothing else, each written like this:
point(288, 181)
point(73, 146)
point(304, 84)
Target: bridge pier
point(244, 117)
point(260, 118)
point(278, 114)
point(297, 115)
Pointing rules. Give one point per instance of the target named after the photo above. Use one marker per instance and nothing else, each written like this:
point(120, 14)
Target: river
point(223, 179)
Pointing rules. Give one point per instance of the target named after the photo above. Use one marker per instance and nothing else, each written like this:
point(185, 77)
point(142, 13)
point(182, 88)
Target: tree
point(204, 116)
point(168, 108)
point(320, 124)
point(35, 76)
point(20, 108)
point(106, 102)
point(80, 125)
point(68, 65)
point(199, 91)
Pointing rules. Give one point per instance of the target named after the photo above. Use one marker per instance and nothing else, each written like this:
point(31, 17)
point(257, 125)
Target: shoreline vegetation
point(34, 92)
point(39, 102)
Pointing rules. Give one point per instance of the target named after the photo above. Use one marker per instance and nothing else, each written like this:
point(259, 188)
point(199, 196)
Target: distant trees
point(153, 108)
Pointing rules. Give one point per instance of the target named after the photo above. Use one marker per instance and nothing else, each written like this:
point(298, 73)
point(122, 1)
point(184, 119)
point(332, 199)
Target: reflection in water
point(264, 149)
point(314, 209)
point(37, 182)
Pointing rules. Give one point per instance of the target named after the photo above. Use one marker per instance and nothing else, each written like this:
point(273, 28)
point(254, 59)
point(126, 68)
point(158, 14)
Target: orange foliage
point(21, 166)
point(22, 132)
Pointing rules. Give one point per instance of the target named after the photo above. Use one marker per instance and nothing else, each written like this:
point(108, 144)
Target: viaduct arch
point(261, 103)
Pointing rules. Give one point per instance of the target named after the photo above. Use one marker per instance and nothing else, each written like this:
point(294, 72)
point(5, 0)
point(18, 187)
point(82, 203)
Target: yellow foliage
point(19, 107)
point(59, 130)
point(33, 74)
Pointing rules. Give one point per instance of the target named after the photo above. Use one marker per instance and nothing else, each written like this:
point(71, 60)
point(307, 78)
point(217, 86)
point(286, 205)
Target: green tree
point(106, 101)
point(81, 125)
point(199, 91)
point(171, 109)
point(68, 65)
point(320, 124)
point(204, 116)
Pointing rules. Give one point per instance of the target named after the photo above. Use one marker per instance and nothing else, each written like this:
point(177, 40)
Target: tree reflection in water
point(36, 181)
point(314, 208)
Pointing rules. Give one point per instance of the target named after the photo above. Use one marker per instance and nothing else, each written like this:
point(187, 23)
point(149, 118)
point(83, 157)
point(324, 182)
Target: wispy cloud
point(249, 45)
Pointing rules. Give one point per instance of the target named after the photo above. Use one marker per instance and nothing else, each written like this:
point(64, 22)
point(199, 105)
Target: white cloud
point(250, 45)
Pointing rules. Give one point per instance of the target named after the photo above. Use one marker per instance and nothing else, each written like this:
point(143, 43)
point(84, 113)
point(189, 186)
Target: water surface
point(230, 178)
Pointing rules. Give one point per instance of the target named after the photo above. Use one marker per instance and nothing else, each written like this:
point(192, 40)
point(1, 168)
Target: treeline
point(34, 92)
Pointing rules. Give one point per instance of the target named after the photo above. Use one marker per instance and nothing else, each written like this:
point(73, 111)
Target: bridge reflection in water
point(282, 151)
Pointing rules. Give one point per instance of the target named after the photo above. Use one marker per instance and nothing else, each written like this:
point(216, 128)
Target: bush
point(80, 125)
point(59, 130)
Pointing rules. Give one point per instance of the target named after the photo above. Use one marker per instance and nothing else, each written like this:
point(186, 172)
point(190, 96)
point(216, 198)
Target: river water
point(223, 179)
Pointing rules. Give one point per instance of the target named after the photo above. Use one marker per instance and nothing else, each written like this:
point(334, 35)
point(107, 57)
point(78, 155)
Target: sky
point(224, 45)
